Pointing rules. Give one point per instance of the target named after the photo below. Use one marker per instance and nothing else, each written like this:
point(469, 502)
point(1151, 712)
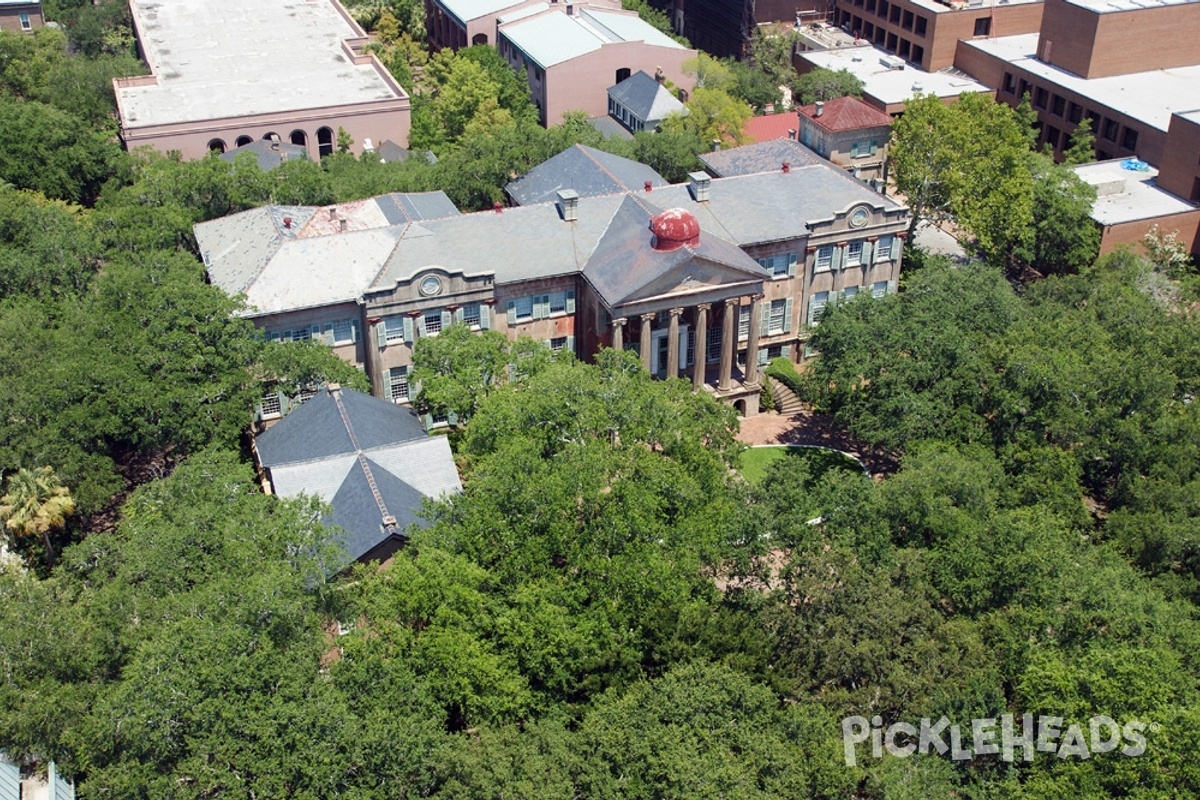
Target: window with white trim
point(863, 148)
point(26, 25)
point(883, 249)
point(854, 253)
point(879, 289)
point(558, 343)
point(433, 322)
point(715, 334)
point(471, 315)
point(824, 261)
point(523, 306)
point(778, 265)
point(558, 303)
point(343, 331)
point(743, 322)
point(816, 306)
point(777, 317)
point(272, 406)
point(393, 329)
point(398, 384)
point(849, 292)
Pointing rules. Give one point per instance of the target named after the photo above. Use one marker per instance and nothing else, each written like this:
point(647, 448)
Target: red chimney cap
point(649, 186)
point(287, 222)
point(498, 207)
point(787, 166)
point(675, 228)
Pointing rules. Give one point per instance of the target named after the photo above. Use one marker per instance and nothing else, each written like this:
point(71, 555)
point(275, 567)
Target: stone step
point(786, 401)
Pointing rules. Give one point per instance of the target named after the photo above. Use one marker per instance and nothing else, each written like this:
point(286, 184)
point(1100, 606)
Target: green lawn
point(756, 459)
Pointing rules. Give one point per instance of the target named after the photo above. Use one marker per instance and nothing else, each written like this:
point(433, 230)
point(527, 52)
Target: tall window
point(817, 305)
point(854, 252)
point(398, 384)
point(879, 289)
point(433, 322)
point(780, 266)
point(343, 332)
point(883, 249)
point(777, 316)
point(824, 258)
point(743, 322)
point(471, 315)
point(714, 343)
point(393, 329)
point(523, 306)
point(26, 25)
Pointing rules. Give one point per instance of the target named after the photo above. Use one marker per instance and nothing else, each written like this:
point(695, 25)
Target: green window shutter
point(764, 317)
point(788, 310)
point(447, 319)
point(571, 301)
point(327, 333)
point(762, 356)
point(793, 260)
point(874, 147)
point(409, 332)
point(458, 315)
point(812, 301)
point(452, 418)
point(541, 306)
point(512, 313)
point(868, 248)
point(891, 287)
point(838, 256)
point(420, 322)
point(314, 333)
point(428, 420)
point(381, 335)
point(570, 345)
point(895, 248)
point(354, 337)
point(485, 316)
point(785, 351)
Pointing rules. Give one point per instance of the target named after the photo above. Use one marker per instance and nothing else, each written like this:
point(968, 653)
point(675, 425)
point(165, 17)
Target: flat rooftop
point(216, 59)
point(892, 86)
point(1190, 116)
point(1127, 195)
point(963, 5)
point(554, 37)
point(1147, 96)
point(1109, 6)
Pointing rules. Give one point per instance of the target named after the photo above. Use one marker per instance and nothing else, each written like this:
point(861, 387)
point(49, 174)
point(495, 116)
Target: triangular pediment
point(694, 276)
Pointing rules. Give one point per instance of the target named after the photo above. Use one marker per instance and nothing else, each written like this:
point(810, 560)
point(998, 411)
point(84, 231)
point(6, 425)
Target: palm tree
point(35, 504)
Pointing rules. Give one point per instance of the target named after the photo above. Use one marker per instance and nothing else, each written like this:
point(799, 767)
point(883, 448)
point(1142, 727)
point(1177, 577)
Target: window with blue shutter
point(788, 312)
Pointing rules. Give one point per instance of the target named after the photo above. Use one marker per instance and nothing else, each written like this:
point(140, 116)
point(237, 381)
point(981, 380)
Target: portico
point(686, 306)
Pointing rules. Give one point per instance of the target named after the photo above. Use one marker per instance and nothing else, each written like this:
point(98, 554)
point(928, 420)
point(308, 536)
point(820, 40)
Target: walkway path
point(813, 429)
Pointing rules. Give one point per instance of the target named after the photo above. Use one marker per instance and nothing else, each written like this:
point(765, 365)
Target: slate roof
point(290, 257)
point(648, 99)
point(624, 262)
point(269, 154)
point(761, 157)
point(392, 153)
point(847, 114)
point(584, 169)
point(341, 441)
point(527, 242)
point(610, 127)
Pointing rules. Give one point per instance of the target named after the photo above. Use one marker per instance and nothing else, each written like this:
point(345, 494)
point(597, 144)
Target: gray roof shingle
point(584, 169)
point(335, 450)
point(761, 157)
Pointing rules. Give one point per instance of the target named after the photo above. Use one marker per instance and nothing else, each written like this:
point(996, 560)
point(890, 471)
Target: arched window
point(299, 137)
point(324, 142)
point(479, 38)
point(217, 146)
point(622, 74)
point(242, 141)
point(271, 136)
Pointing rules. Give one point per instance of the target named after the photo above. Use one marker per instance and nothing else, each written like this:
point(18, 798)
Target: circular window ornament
point(859, 217)
point(431, 285)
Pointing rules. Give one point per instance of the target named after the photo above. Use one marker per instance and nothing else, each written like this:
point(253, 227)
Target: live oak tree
point(826, 84)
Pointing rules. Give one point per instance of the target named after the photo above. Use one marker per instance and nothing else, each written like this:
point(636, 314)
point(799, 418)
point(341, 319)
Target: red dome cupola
point(674, 228)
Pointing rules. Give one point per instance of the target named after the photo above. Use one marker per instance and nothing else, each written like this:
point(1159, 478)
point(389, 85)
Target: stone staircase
point(786, 401)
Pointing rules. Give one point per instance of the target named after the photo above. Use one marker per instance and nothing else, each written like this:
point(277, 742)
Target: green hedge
point(783, 370)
